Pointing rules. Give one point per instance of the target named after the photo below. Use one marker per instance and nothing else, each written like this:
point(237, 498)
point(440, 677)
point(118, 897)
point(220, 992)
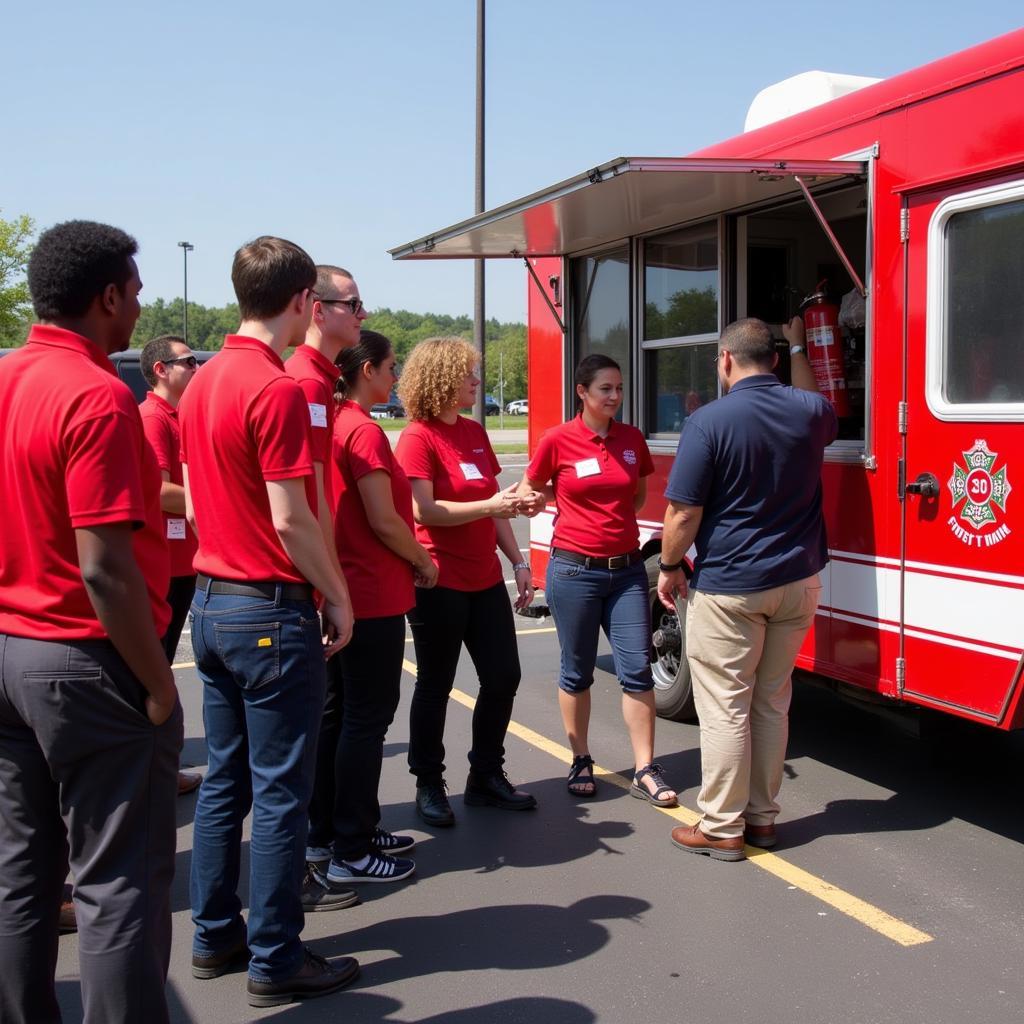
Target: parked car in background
point(129, 369)
point(519, 407)
point(392, 409)
point(491, 406)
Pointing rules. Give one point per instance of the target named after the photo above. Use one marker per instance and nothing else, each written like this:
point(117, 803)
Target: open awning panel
point(627, 196)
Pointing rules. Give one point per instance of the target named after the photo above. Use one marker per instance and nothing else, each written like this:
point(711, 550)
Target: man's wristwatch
point(669, 568)
point(794, 349)
point(521, 565)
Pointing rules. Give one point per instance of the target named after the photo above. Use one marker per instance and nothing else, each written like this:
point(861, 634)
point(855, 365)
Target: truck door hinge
point(901, 417)
point(904, 224)
point(901, 674)
point(901, 479)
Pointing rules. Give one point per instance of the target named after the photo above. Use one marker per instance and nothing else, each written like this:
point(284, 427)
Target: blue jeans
point(584, 601)
point(262, 666)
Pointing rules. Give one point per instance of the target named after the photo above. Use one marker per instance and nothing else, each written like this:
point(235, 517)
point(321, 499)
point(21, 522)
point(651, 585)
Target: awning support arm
point(544, 294)
point(816, 210)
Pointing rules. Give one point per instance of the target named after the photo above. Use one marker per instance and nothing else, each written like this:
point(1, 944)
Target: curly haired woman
point(461, 516)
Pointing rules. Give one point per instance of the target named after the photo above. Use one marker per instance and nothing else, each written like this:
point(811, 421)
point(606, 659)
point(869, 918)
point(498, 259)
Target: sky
point(349, 127)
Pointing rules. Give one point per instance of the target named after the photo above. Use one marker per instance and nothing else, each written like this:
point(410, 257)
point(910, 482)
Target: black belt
point(289, 591)
point(590, 562)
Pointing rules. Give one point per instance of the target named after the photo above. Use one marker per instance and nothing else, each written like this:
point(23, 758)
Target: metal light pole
point(479, 340)
point(186, 248)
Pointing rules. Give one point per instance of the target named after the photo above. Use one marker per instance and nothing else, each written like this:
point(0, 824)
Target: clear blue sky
point(348, 127)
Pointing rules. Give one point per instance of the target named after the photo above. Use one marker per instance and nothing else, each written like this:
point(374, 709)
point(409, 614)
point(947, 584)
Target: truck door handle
point(926, 484)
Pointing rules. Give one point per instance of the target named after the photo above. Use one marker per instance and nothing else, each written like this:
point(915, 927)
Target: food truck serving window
point(681, 322)
point(976, 305)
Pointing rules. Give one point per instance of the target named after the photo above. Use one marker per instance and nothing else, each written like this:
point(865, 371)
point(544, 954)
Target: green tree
point(15, 304)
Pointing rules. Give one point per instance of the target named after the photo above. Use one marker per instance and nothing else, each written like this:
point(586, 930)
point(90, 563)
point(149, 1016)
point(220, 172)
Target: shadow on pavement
point(951, 769)
point(485, 938)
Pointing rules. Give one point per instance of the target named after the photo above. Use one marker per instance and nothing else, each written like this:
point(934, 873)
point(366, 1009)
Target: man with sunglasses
point(168, 365)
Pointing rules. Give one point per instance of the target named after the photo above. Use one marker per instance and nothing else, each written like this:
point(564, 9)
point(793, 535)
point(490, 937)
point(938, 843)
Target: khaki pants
point(741, 649)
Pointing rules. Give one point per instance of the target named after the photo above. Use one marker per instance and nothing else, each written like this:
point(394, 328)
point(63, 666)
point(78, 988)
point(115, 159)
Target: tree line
point(207, 325)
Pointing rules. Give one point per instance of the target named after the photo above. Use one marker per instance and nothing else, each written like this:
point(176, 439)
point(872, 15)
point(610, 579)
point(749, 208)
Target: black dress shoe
point(316, 977)
point(213, 965)
point(496, 791)
point(432, 804)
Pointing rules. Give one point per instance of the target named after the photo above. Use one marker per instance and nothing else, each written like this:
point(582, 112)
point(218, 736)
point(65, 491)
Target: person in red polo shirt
point(167, 365)
point(461, 516)
point(90, 724)
point(596, 579)
point(381, 559)
point(250, 491)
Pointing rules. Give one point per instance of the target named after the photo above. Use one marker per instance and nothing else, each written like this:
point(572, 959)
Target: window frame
point(935, 309)
point(668, 441)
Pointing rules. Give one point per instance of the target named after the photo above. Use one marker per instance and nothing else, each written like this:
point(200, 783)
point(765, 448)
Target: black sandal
point(580, 764)
point(654, 772)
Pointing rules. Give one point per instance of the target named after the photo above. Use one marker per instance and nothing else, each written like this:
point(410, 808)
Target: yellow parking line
point(846, 903)
point(184, 664)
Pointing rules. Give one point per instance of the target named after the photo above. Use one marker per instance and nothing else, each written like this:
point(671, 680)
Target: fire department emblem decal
point(981, 492)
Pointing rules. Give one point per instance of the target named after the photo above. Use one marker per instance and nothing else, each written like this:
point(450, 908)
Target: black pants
point(179, 597)
point(442, 621)
point(85, 779)
point(363, 687)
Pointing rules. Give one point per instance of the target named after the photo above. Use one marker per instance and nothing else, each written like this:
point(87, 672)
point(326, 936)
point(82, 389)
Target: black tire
point(673, 695)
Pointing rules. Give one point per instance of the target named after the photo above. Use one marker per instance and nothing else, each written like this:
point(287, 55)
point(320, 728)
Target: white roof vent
point(801, 92)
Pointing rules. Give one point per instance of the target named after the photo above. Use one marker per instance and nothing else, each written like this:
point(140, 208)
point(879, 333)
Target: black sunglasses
point(190, 361)
point(354, 305)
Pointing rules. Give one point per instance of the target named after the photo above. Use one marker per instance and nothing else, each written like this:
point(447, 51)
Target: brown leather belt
point(590, 562)
point(289, 591)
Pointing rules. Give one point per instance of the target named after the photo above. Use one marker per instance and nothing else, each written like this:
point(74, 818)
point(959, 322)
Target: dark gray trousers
point(85, 779)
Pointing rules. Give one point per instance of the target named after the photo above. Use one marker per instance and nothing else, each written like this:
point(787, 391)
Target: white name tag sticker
point(175, 529)
point(471, 471)
point(317, 414)
point(587, 467)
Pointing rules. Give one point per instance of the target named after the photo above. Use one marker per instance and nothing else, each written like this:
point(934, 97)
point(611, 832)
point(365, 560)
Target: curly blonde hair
point(433, 374)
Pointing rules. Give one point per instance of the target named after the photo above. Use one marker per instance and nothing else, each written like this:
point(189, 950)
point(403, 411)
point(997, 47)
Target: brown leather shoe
point(695, 841)
point(67, 922)
point(188, 781)
point(213, 965)
point(762, 836)
point(316, 977)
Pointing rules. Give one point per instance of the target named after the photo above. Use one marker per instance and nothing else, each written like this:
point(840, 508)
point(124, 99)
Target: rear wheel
point(673, 695)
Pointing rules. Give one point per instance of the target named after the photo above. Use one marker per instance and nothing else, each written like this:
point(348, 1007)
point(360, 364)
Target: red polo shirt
point(379, 581)
point(316, 375)
point(73, 456)
point(460, 462)
point(160, 423)
point(243, 422)
point(595, 480)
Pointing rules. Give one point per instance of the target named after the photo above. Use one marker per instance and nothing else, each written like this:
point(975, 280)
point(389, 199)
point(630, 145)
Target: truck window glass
point(600, 314)
point(983, 359)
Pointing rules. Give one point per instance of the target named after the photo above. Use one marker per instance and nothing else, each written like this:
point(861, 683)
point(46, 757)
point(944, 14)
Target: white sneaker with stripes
point(379, 867)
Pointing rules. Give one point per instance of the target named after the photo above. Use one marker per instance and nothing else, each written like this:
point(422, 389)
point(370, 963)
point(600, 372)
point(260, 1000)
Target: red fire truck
point(898, 210)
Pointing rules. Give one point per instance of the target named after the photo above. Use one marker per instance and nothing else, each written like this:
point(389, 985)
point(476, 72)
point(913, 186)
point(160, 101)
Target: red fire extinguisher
point(825, 348)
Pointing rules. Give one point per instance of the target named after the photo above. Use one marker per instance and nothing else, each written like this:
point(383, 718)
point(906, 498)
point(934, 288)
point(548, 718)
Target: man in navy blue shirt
point(745, 487)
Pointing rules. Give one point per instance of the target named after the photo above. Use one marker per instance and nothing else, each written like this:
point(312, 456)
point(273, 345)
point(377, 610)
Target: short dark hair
point(74, 262)
point(750, 343)
point(158, 350)
point(587, 369)
point(324, 273)
point(373, 348)
point(267, 272)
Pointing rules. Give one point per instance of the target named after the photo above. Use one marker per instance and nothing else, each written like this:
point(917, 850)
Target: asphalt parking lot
point(895, 894)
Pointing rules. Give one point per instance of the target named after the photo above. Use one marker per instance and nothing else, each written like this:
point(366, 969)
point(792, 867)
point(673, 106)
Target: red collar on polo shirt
point(242, 342)
point(161, 403)
point(613, 428)
point(319, 361)
point(58, 337)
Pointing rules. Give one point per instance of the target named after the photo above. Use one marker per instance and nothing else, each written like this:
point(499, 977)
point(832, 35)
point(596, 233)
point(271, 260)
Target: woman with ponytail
point(382, 561)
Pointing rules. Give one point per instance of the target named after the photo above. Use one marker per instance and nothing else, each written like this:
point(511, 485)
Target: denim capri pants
point(582, 601)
